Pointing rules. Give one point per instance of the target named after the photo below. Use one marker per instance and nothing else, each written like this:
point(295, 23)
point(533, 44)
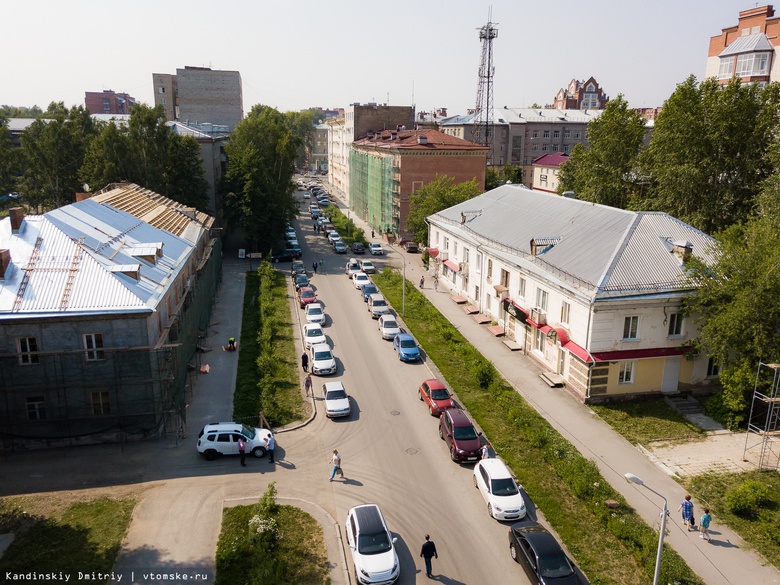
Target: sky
point(296, 54)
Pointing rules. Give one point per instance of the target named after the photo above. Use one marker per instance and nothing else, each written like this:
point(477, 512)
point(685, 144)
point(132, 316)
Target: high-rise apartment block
point(197, 95)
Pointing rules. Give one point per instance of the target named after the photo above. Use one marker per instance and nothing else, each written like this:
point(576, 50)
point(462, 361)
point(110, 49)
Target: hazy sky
point(293, 54)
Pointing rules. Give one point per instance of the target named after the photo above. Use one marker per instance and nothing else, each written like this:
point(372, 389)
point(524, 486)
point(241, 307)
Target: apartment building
point(108, 102)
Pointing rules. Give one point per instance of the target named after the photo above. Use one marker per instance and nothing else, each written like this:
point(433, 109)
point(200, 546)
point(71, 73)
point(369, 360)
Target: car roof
point(329, 386)
point(458, 417)
point(434, 383)
point(543, 543)
point(375, 297)
point(384, 318)
point(308, 326)
point(496, 468)
point(366, 261)
point(320, 347)
point(303, 288)
point(369, 519)
point(404, 336)
point(312, 305)
point(360, 274)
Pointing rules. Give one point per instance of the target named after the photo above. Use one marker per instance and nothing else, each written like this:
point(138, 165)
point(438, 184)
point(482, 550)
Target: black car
point(411, 246)
point(541, 556)
point(286, 256)
point(358, 248)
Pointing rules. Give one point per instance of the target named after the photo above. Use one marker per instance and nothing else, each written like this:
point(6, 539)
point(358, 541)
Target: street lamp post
point(403, 287)
point(634, 479)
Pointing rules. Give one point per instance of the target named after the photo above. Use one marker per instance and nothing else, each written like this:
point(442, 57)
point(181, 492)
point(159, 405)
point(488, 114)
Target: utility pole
point(483, 115)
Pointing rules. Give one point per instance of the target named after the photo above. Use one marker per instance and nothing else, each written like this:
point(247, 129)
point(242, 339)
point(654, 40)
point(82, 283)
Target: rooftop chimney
point(422, 139)
point(5, 262)
point(82, 196)
point(683, 249)
point(17, 217)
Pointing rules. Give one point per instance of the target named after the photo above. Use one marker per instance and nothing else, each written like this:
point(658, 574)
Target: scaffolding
point(762, 433)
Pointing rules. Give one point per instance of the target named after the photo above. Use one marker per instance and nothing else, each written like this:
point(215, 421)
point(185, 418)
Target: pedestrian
point(242, 451)
point(315, 225)
point(232, 344)
point(485, 451)
point(704, 524)
point(322, 263)
point(271, 446)
point(372, 233)
point(428, 552)
point(305, 361)
point(422, 280)
point(336, 461)
point(307, 384)
point(687, 512)
point(436, 282)
point(314, 266)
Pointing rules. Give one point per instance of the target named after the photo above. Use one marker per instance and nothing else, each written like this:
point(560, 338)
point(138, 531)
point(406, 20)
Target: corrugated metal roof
point(507, 115)
point(603, 250)
point(748, 44)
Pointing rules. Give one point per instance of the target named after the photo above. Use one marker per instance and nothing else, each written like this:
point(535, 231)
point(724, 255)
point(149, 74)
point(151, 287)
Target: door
point(671, 374)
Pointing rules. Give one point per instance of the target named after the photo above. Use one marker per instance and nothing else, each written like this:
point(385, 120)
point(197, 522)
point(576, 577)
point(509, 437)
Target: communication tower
point(483, 115)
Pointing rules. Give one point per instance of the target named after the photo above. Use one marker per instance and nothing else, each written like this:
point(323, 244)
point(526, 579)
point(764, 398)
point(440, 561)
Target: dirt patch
point(719, 452)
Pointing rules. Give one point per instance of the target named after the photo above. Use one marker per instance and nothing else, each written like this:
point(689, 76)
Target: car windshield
point(439, 394)
point(301, 278)
point(408, 343)
point(323, 355)
point(381, 303)
point(315, 311)
point(335, 394)
point(247, 432)
point(555, 566)
point(390, 324)
point(503, 487)
point(307, 294)
point(369, 289)
point(374, 544)
point(314, 332)
point(465, 433)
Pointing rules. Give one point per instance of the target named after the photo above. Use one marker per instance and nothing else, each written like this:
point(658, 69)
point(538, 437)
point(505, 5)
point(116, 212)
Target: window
point(726, 69)
point(436, 237)
point(675, 324)
point(536, 134)
point(36, 408)
point(466, 255)
point(556, 133)
point(546, 134)
point(28, 348)
point(101, 403)
point(576, 136)
point(567, 133)
point(446, 243)
point(565, 312)
point(478, 267)
point(541, 299)
point(489, 275)
point(517, 141)
point(535, 148)
point(504, 278)
point(626, 373)
point(565, 148)
point(539, 338)
point(713, 369)
point(555, 147)
point(545, 148)
point(630, 327)
point(162, 90)
point(93, 343)
point(521, 289)
point(543, 179)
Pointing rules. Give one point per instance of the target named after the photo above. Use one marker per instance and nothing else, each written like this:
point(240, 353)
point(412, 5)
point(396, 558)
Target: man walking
point(307, 384)
point(271, 447)
point(305, 361)
point(336, 461)
point(428, 552)
point(242, 451)
point(314, 266)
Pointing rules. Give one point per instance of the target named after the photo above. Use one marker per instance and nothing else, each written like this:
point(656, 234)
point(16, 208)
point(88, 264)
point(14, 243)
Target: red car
point(306, 295)
point(456, 429)
point(435, 394)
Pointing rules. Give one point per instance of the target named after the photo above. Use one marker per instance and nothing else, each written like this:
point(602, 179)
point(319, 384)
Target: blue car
point(406, 347)
point(368, 290)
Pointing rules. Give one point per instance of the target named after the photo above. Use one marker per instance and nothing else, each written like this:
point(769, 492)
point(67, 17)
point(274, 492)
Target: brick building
point(387, 167)
point(200, 95)
point(108, 102)
point(581, 95)
point(747, 50)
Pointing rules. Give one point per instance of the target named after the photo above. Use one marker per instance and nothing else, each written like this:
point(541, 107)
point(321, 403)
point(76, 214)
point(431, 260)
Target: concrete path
point(727, 559)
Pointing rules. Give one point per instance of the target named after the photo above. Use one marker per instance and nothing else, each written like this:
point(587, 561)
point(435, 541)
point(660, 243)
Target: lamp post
point(634, 479)
point(403, 286)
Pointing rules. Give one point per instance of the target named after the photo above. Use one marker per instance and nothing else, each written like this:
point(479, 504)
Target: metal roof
point(505, 115)
point(602, 251)
point(748, 44)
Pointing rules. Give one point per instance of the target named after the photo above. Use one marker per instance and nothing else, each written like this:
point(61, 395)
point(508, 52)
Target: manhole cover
point(412, 451)
point(394, 412)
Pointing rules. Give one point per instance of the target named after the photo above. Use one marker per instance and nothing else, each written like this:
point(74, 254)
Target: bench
point(496, 330)
point(471, 309)
point(512, 345)
point(459, 300)
point(481, 318)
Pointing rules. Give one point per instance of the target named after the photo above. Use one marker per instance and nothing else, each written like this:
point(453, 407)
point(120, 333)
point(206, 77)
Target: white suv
point(217, 439)
point(371, 544)
point(501, 493)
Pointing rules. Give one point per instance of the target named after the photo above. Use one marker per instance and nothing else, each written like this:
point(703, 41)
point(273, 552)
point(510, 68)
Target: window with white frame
point(713, 368)
point(631, 327)
point(478, 265)
point(93, 343)
point(556, 133)
point(626, 373)
point(546, 134)
point(36, 408)
point(675, 324)
point(565, 312)
point(455, 249)
point(489, 275)
point(436, 237)
point(539, 338)
point(577, 135)
point(446, 243)
point(726, 68)
point(28, 350)
point(466, 255)
point(541, 299)
point(521, 288)
point(101, 404)
point(567, 133)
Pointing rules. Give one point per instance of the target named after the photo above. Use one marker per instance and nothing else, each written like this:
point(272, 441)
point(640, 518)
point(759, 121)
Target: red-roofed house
point(545, 171)
point(386, 167)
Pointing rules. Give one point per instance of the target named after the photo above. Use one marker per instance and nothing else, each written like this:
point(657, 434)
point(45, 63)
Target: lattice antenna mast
point(483, 116)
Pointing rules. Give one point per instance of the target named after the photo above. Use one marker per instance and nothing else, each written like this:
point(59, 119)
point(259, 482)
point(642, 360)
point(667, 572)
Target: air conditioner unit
point(538, 316)
point(444, 256)
point(463, 266)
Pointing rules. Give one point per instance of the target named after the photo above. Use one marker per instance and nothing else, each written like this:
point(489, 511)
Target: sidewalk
point(727, 559)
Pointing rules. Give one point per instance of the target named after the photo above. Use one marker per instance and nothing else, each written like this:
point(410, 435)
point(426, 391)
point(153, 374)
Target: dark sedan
point(541, 556)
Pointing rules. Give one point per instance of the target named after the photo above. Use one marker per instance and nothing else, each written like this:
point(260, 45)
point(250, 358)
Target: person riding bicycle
point(232, 344)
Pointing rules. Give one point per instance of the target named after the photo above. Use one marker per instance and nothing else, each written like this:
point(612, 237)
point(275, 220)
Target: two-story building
point(593, 293)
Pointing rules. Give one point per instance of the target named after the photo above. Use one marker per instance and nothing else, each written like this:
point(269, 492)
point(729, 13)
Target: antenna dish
point(85, 186)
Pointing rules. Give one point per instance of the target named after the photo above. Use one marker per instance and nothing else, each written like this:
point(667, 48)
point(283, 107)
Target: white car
point(321, 360)
point(334, 237)
point(336, 399)
point(499, 489)
point(388, 326)
point(315, 313)
point(371, 545)
point(306, 195)
point(353, 267)
point(367, 266)
point(313, 335)
point(377, 306)
point(217, 439)
point(376, 248)
point(359, 279)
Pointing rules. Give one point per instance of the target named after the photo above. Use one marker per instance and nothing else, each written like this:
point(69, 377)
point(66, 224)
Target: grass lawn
point(52, 537)
point(760, 527)
point(643, 421)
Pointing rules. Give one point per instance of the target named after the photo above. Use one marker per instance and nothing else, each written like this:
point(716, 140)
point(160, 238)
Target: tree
point(20, 112)
point(707, 155)
point(184, 174)
point(7, 161)
point(149, 137)
point(302, 125)
point(509, 173)
point(605, 171)
point(108, 158)
point(431, 198)
point(258, 187)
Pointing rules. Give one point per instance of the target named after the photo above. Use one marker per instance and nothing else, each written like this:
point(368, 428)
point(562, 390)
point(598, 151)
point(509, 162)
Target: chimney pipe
point(5, 262)
point(82, 196)
point(17, 217)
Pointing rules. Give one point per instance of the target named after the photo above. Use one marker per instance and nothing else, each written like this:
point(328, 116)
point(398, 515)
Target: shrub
point(747, 497)
point(484, 373)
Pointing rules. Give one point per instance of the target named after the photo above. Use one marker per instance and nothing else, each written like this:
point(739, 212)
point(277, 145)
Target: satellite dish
point(85, 186)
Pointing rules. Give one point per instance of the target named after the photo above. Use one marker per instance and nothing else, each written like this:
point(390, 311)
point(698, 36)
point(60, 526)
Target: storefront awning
point(634, 354)
point(451, 265)
point(432, 252)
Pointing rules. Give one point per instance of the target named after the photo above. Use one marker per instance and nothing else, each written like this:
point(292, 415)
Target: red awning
point(432, 252)
point(578, 351)
point(519, 307)
point(451, 265)
point(563, 335)
point(633, 354)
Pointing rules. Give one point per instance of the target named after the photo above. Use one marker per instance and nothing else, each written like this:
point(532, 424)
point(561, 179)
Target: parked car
point(339, 247)
point(358, 248)
point(286, 256)
point(499, 489)
point(217, 439)
point(315, 313)
point(457, 430)
point(436, 396)
point(541, 556)
point(368, 267)
point(411, 246)
point(296, 248)
point(377, 306)
point(406, 347)
point(306, 195)
point(371, 544)
point(301, 280)
point(368, 290)
point(306, 296)
point(353, 267)
point(359, 279)
point(375, 248)
point(388, 326)
point(333, 237)
point(336, 399)
point(321, 360)
point(297, 268)
point(313, 335)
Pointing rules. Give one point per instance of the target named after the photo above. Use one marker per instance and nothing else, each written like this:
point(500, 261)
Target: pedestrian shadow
point(722, 543)
point(347, 481)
